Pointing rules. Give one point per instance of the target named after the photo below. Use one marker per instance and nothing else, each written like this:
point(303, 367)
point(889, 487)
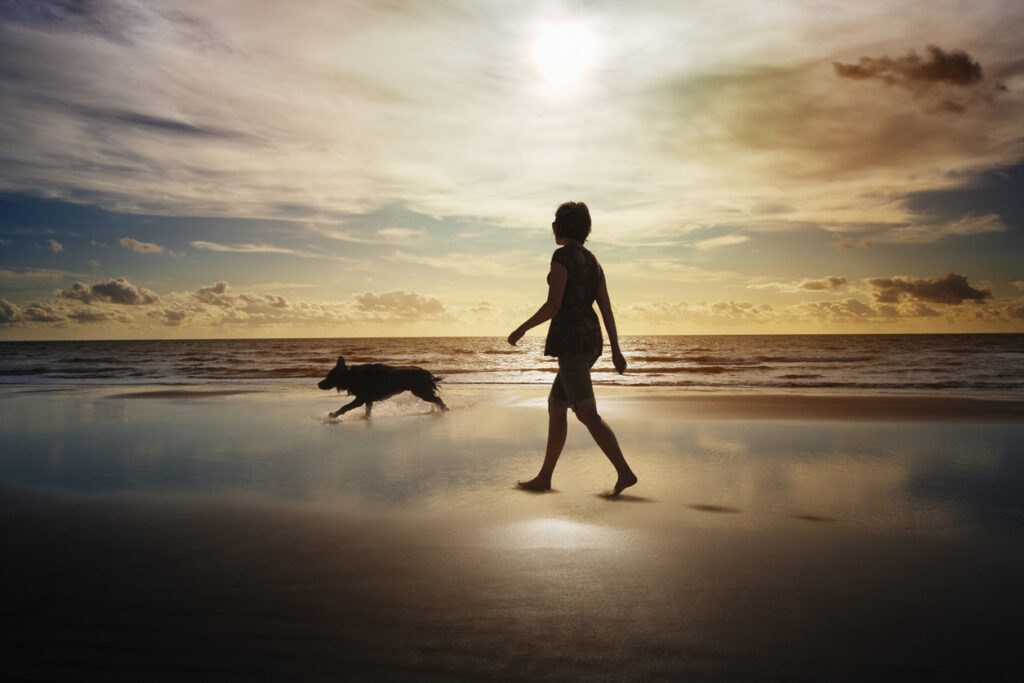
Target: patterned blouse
point(575, 329)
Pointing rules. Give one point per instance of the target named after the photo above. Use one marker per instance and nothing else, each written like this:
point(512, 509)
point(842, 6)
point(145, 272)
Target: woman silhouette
point(574, 337)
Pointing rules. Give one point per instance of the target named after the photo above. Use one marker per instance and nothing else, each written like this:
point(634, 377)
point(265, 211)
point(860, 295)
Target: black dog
point(376, 382)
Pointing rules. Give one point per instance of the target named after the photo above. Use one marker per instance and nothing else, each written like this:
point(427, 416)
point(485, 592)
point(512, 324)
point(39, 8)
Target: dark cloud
point(830, 282)
point(955, 67)
point(947, 289)
point(118, 291)
point(79, 292)
point(43, 313)
point(9, 313)
point(1016, 311)
point(88, 317)
point(948, 76)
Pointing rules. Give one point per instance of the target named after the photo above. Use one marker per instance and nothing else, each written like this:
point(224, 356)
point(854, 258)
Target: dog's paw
point(333, 415)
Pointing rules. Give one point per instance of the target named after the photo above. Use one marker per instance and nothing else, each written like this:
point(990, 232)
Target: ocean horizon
point(972, 364)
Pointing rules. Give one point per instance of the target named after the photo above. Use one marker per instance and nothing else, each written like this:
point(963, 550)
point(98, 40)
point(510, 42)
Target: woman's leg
point(558, 428)
point(609, 445)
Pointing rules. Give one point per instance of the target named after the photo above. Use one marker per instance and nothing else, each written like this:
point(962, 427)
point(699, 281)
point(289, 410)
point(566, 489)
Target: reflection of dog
point(376, 382)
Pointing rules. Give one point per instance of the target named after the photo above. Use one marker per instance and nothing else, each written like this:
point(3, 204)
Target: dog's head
point(335, 379)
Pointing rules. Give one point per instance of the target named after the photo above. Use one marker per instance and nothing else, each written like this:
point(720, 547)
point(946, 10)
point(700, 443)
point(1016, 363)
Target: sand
point(232, 536)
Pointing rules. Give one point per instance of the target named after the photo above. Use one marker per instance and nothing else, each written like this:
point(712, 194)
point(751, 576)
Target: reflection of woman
point(574, 337)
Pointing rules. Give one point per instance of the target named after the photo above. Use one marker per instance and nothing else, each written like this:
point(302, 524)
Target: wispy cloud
point(719, 242)
point(31, 274)
point(381, 236)
point(252, 249)
point(140, 247)
point(55, 246)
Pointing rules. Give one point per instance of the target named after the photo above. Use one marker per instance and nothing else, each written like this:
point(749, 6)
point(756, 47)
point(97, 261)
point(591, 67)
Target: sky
point(229, 168)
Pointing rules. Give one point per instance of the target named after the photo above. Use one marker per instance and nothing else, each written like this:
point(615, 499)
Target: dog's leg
point(429, 397)
point(369, 407)
point(345, 408)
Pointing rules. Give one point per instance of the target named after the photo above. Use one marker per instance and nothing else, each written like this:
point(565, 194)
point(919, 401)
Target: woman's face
point(560, 241)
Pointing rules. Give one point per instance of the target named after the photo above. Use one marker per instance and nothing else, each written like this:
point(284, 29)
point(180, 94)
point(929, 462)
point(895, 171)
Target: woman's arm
point(604, 304)
point(556, 288)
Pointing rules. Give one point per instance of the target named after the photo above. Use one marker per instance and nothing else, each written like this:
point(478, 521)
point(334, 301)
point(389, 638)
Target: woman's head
point(572, 220)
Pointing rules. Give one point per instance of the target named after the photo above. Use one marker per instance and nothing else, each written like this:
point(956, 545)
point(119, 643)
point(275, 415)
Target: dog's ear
point(341, 363)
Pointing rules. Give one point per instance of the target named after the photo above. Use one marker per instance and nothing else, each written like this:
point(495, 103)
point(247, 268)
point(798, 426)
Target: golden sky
point(233, 169)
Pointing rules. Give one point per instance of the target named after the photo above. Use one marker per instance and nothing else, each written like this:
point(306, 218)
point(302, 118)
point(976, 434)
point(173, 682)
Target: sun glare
point(563, 52)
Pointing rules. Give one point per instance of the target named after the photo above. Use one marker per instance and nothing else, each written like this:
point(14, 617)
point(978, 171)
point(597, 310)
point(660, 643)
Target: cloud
point(926, 230)
point(719, 242)
point(703, 312)
point(831, 282)
point(119, 291)
point(955, 67)
point(216, 295)
point(399, 304)
point(849, 243)
point(55, 246)
point(140, 247)
point(947, 289)
point(271, 300)
point(9, 312)
point(43, 313)
point(31, 274)
point(381, 236)
point(90, 316)
point(952, 74)
point(1019, 284)
point(251, 249)
point(839, 311)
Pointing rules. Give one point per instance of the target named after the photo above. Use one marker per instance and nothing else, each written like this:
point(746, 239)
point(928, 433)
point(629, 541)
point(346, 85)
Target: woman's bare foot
point(624, 482)
point(535, 484)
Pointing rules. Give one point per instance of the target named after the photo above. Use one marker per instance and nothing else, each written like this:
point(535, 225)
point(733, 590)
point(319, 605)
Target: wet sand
point(247, 536)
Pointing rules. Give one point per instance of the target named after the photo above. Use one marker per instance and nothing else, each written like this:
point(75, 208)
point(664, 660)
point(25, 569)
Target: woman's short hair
point(572, 220)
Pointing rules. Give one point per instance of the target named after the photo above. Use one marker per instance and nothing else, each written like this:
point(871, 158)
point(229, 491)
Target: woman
point(574, 337)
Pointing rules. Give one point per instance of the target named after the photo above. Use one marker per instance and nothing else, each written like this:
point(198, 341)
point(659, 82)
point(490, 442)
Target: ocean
point(966, 364)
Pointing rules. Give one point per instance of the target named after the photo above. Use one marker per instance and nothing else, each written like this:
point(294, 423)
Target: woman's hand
point(516, 336)
point(619, 361)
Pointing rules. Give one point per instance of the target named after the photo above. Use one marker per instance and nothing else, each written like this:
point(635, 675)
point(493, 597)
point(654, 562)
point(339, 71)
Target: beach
point(236, 532)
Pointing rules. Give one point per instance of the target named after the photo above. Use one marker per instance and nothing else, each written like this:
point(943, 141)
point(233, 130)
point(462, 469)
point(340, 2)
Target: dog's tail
point(427, 383)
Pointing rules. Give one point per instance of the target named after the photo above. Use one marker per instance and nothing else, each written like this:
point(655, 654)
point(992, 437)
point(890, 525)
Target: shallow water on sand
point(185, 536)
point(927, 476)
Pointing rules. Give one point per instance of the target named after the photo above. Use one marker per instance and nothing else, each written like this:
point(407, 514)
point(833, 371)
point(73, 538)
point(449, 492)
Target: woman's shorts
point(572, 386)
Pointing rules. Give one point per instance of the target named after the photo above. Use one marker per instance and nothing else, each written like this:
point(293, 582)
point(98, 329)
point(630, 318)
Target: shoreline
point(705, 404)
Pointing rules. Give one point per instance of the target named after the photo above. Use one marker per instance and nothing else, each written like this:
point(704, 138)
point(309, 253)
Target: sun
point(563, 52)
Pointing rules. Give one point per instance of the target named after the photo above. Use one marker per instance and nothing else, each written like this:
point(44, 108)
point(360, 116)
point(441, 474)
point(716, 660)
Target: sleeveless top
point(575, 329)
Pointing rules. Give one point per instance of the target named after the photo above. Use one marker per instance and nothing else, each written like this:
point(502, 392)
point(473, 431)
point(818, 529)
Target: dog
point(376, 381)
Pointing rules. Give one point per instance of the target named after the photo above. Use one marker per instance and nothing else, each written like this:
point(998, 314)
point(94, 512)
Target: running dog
point(377, 381)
